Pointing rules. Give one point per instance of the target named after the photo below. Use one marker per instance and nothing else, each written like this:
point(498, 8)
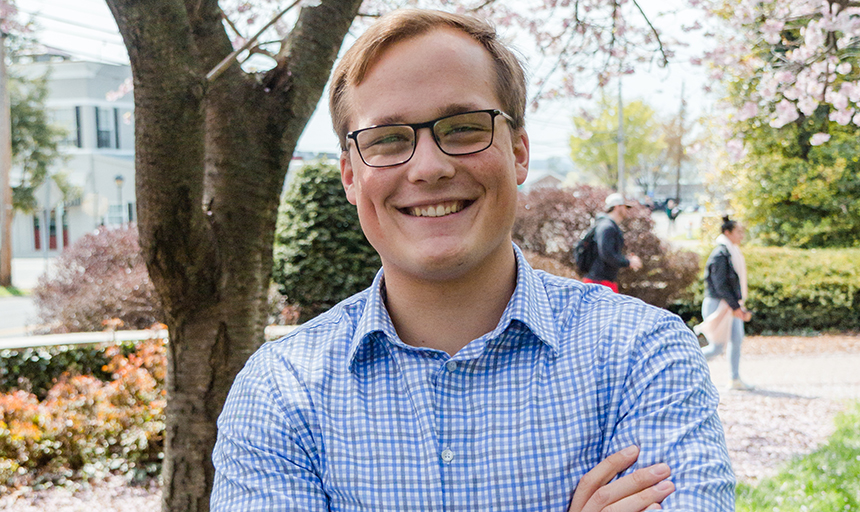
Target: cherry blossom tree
point(789, 58)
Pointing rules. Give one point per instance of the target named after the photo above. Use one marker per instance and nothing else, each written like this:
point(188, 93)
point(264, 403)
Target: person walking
point(672, 213)
point(723, 307)
point(610, 245)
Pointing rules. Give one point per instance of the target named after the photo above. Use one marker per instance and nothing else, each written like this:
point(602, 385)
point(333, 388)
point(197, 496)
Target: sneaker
point(739, 385)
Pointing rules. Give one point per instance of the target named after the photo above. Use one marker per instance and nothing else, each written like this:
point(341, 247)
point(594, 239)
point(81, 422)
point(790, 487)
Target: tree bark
point(211, 159)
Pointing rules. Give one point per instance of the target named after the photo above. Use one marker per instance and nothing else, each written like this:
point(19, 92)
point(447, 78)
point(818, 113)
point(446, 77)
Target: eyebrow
point(448, 110)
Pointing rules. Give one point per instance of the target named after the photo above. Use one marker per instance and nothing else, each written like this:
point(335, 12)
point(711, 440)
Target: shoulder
point(719, 251)
point(604, 225)
point(590, 317)
point(314, 351)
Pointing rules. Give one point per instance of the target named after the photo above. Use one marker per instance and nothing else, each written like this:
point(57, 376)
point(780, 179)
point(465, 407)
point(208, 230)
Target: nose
point(428, 164)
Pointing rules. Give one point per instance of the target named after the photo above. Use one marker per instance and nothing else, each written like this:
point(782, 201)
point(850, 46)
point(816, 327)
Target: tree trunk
point(211, 158)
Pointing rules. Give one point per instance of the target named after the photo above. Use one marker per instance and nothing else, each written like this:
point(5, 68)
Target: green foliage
point(828, 479)
point(801, 290)
point(321, 255)
point(35, 141)
point(794, 290)
point(595, 147)
point(86, 427)
point(36, 370)
point(797, 195)
point(99, 279)
point(550, 221)
point(10, 291)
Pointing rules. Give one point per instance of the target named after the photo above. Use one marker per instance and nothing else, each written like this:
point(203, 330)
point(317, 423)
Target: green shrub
point(550, 221)
point(36, 370)
point(99, 279)
point(85, 426)
point(321, 255)
point(794, 290)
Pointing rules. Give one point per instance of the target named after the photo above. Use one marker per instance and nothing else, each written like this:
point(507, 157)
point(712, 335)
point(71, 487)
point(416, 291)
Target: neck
point(448, 314)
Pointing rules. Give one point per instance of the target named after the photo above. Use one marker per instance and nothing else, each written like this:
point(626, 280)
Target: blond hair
point(404, 24)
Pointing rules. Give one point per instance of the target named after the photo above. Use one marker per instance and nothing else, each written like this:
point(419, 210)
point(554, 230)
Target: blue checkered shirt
point(341, 415)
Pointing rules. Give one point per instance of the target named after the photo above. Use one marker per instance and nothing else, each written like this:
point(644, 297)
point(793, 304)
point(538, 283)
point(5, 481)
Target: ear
point(521, 155)
point(347, 176)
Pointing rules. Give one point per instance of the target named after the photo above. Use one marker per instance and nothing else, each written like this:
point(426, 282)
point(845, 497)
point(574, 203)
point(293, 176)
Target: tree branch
point(653, 31)
point(228, 60)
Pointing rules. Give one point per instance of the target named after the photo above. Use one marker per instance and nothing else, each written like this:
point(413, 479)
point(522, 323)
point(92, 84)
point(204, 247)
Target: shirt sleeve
point(668, 408)
point(265, 457)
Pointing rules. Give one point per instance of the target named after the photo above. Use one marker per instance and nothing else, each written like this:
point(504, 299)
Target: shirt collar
point(525, 306)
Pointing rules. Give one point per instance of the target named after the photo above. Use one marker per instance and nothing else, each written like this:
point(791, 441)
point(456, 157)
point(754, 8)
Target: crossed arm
point(643, 489)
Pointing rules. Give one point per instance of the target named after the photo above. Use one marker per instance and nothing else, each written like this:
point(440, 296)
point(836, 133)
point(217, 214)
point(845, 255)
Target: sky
point(86, 29)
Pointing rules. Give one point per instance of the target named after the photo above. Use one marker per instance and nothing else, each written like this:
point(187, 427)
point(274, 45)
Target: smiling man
point(463, 379)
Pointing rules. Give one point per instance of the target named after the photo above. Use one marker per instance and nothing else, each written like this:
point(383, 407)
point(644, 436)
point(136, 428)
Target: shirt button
point(447, 455)
point(451, 365)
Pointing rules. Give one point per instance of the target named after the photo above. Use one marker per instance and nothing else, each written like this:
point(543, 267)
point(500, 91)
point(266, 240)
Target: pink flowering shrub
point(550, 221)
point(99, 279)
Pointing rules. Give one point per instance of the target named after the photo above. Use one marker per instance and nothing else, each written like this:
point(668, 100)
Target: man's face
point(404, 209)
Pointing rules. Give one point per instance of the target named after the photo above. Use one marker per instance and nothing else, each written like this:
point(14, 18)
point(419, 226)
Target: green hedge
point(794, 290)
point(36, 370)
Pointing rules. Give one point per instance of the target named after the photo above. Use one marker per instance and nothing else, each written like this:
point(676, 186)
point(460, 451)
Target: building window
point(69, 119)
point(52, 230)
point(115, 215)
point(37, 233)
point(105, 128)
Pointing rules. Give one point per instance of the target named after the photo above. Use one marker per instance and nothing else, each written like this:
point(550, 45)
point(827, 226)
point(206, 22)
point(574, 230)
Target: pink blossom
point(856, 119)
point(851, 90)
point(772, 30)
point(735, 148)
point(836, 98)
point(748, 111)
point(807, 105)
point(819, 139)
point(842, 117)
point(785, 113)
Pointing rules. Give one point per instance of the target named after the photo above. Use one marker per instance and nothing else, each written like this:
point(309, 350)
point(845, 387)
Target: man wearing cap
point(463, 379)
point(610, 244)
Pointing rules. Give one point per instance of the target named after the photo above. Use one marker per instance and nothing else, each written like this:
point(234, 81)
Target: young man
point(610, 245)
point(462, 379)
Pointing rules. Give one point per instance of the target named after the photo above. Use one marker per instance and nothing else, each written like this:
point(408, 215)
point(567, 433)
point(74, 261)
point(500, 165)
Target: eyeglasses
point(455, 135)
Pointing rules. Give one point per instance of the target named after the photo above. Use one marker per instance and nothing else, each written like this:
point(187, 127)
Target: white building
point(99, 153)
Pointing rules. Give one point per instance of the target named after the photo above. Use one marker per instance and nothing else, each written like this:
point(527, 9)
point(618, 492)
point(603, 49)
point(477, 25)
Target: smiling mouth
point(437, 210)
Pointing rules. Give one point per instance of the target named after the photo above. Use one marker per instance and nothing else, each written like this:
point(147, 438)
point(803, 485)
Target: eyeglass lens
point(460, 134)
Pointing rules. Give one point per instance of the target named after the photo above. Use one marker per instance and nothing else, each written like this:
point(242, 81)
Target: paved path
point(834, 376)
point(17, 316)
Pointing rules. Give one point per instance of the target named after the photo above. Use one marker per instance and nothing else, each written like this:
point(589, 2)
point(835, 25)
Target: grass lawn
point(826, 480)
point(11, 292)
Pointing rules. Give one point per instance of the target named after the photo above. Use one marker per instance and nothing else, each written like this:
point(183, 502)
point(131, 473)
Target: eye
point(377, 138)
point(464, 128)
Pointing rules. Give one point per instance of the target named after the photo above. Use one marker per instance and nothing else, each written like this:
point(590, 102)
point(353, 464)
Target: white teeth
point(438, 210)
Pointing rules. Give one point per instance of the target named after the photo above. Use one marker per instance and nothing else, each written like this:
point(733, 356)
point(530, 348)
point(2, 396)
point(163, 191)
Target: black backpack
point(585, 251)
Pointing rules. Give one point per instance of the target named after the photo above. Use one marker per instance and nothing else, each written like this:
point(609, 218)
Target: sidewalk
point(833, 376)
point(823, 366)
point(801, 384)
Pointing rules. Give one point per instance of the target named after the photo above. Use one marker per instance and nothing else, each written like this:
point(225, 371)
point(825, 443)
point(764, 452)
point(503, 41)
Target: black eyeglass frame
point(494, 113)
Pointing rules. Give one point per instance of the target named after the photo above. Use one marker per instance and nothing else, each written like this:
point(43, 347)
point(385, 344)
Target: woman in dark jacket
point(723, 308)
